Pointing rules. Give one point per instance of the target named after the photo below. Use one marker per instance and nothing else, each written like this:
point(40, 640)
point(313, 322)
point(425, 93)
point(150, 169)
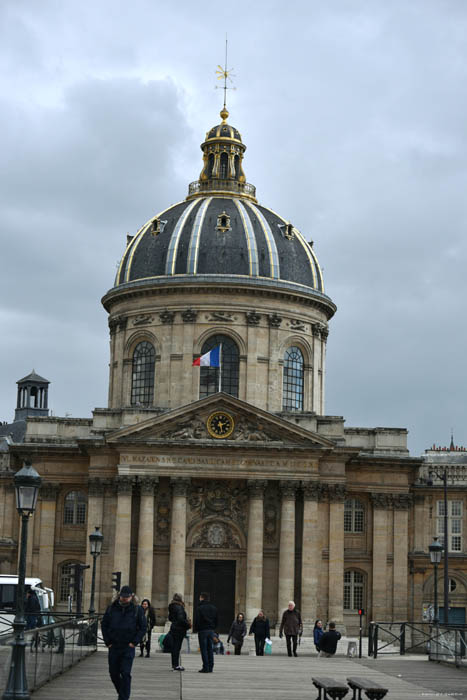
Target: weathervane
point(223, 73)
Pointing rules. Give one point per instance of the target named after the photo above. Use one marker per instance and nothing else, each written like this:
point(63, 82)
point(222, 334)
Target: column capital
point(402, 501)
point(312, 490)
point(96, 486)
point(180, 485)
point(147, 484)
point(337, 493)
point(124, 484)
point(49, 491)
point(288, 488)
point(256, 487)
point(381, 500)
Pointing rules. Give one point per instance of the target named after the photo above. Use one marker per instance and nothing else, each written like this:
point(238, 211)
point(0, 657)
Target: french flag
point(210, 359)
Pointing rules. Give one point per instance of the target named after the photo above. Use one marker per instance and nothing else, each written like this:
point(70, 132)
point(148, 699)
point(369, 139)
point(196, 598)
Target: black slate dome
point(220, 230)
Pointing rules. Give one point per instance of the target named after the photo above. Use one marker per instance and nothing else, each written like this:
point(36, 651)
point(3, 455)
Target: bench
point(372, 690)
point(331, 688)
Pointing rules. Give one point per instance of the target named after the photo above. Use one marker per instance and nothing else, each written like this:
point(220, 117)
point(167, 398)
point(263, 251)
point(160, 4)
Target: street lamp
point(436, 549)
point(442, 475)
point(27, 483)
point(95, 538)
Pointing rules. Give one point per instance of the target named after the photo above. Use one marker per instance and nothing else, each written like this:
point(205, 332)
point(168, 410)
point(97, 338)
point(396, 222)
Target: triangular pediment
point(221, 419)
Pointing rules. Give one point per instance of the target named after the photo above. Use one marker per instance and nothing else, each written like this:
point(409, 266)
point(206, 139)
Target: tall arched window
point(353, 590)
point(142, 378)
point(224, 165)
point(354, 513)
point(292, 384)
point(74, 512)
point(209, 376)
point(210, 164)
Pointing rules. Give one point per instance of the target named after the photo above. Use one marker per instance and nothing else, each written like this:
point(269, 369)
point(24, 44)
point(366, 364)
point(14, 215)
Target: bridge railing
point(441, 642)
point(51, 648)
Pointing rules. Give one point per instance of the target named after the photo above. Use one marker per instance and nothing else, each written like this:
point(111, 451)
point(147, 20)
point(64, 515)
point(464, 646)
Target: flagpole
point(220, 367)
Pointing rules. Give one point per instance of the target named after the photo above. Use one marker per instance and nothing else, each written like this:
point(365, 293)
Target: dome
point(221, 233)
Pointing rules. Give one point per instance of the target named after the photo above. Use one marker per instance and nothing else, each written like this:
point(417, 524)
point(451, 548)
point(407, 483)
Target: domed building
point(222, 473)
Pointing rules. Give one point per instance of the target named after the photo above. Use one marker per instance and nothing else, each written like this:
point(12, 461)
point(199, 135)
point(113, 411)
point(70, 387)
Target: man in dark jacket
point(291, 626)
point(205, 624)
point(32, 609)
point(328, 642)
point(123, 628)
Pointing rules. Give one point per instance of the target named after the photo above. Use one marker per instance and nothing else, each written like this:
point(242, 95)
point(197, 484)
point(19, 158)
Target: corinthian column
point(145, 537)
point(178, 536)
point(254, 554)
point(123, 527)
point(336, 553)
point(310, 560)
point(400, 547)
point(95, 519)
point(380, 555)
point(48, 495)
point(286, 546)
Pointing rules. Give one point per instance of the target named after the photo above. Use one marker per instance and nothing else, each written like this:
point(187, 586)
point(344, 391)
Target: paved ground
point(256, 678)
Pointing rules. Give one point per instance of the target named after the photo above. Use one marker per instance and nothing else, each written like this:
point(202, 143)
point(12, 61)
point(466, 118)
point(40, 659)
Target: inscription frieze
point(215, 461)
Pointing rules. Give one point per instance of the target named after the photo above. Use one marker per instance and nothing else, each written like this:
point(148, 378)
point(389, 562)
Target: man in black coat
point(123, 628)
point(32, 608)
point(328, 642)
point(205, 624)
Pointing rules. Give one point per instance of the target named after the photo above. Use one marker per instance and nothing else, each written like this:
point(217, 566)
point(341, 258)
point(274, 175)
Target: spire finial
point(223, 73)
point(451, 446)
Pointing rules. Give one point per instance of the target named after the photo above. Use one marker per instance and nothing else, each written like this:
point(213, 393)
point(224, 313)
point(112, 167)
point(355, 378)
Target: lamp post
point(95, 538)
point(27, 483)
point(436, 549)
point(442, 475)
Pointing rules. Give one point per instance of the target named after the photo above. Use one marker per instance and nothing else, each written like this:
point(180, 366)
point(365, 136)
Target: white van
point(8, 592)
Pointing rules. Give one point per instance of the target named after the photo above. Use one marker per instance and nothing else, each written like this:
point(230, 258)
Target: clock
point(220, 424)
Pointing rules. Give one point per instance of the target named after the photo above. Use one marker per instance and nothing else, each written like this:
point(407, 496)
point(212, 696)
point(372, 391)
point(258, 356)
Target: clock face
point(220, 424)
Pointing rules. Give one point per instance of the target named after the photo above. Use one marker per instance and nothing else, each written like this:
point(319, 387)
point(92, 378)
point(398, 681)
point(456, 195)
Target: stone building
point(229, 479)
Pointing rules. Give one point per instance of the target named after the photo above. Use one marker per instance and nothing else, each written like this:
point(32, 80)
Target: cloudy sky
point(355, 117)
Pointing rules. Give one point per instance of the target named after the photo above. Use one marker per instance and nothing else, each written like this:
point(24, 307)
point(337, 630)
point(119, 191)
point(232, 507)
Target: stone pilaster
point(123, 527)
point(400, 547)
point(336, 493)
point(145, 537)
point(380, 554)
point(48, 497)
point(286, 582)
point(95, 518)
point(178, 537)
point(310, 558)
point(419, 526)
point(254, 556)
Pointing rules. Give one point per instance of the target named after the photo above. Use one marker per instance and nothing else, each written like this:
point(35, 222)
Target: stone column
point(419, 523)
point(286, 546)
point(95, 518)
point(380, 554)
point(145, 537)
point(310, 556)
point(178, 537)
point(123, 527)
point(337, 495)
point(401, 548)
point(9, 511)
point(254, 555)
point(48, 496)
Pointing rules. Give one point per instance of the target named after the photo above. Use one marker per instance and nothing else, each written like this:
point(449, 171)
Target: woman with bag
point(178, 628)
point(237, 633)
point(150, 615)
point(260, 628)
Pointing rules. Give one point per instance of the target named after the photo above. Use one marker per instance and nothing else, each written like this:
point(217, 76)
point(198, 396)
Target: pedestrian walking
point(32, 608)
point(260, 628)
point(205, 624)
point(317, 633)
point(237, 633)
point(178, 629)
point(123, 628)
point(328, 642)
point(150, 615)
point(291, 626)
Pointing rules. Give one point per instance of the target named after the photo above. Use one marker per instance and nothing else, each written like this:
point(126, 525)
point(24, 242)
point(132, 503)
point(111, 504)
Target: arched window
point(292, 384)
point(224, 165)
point(75, 508)
point(354, 515)
point(65, 581)
point(209, 376)
point(210, 164)
point(237, 167)
point(353, 590)
point(142, 378)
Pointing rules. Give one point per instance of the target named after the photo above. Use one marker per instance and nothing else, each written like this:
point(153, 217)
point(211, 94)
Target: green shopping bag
point(268, 647)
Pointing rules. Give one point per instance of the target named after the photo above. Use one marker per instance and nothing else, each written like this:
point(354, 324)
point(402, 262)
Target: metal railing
point(51, 648)
point(441, 642)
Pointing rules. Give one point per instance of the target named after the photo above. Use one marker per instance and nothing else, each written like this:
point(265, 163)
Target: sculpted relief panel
point(225, 499)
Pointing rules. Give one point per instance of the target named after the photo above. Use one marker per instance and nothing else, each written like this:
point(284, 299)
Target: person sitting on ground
point(328, 642)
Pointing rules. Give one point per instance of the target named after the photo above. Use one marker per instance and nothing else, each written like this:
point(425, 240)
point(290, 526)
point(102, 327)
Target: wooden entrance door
point(217, 577)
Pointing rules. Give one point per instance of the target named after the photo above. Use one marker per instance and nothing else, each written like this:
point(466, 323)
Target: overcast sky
point(355, 117)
